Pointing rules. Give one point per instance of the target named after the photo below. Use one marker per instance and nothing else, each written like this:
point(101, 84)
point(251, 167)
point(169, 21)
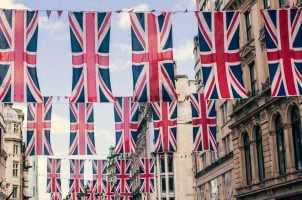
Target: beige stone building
point(173, 171)
point(16, 171)
point(259, 139)
point(3, 156)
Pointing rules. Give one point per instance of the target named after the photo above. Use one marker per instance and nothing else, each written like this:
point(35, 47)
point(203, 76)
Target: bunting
point(38, 128)
point(123, 183)
point(90, 35)
point(81, 129)
point(109, 190)
point(164, 117)
point(53, 176)
point(18, 51)
point(76, 181)
point(91, 191)
point(126, 124)
point(204, 123)
point(152, 57)
point(283, 35)
point(146, 175)
point(99, 171)
point(218, 34)
point(56, 196)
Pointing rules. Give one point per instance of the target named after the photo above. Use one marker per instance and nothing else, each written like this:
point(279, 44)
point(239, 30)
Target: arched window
point(280, 145)
point(259, 153)
point(297, 136)
point(247, 157)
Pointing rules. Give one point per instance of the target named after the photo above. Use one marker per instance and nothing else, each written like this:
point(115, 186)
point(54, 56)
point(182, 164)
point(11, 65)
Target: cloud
point(55, 28)
point(184, 52)
point(123, 20)
point(11, 4)
point(106, 135)
point(59, 125)
point(185, 5)
point(122, 57)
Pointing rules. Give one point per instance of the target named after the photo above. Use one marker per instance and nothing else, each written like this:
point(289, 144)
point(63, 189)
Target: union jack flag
point(164, 117)
point(123, 183)
point(53, 176)
point(99, 171)
point(81, 129)
point(146, 175)
point(90, 35)
point(218, 34)
point(126, 124)
point(283, 34)
point(38, 128)
point(56, 196)
point(91, 191)
point(18, 51)
point(109, 191)
point(204, 123)
point(152, 57)
point(76, 181)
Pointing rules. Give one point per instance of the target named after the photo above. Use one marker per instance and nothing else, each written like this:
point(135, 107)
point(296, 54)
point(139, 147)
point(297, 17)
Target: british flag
point(81, 129)
point(56, 196)
point(146, 175)
point(152, 57)
point(123, 183)
point(38, 128)
point(164, 115)
point(126, 124)
point(18, 52)
point(91, 191)
point(283, 34)
point(53, 176)
point(99, 171)
point(90, 35)
point(204, 123)
point(76, 181)
point(218, 34)
point(109, 193)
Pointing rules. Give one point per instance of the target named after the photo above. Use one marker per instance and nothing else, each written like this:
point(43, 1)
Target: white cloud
point(123, 20)
point(59, 125)
point(122, 57)
point(56, 28)
point(184, 52)
point(185, 4)
point(105, 135)
point(11, 4)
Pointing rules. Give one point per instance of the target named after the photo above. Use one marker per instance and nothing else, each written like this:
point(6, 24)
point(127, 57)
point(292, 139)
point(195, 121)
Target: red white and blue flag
point(81, 129)
point(53, 176)
point(146, 175)
point(123, 183)
point(18, 52)
point(56, 196)
point(99, 175)
point(91, 191)
point(76, 180)
point(218, 34)
point(204, 123)
point(38, 128)
point(283, 34)
point(152, 57)
point(109, 192)
point(126, 124)
point(90, 35)
point(164, 117)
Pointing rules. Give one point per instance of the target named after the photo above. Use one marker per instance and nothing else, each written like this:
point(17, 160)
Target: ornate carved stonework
point(247, 52)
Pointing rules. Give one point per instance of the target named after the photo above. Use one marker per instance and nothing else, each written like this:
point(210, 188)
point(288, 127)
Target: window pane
point(163, 184)
point(260, 153)
point(280, 145)
point(162, 163)
point(247, 157)
point(297, 136)
point(266, 4)
point(214, 189)
point(170, 162)
point(15, 191)
point(171, 184)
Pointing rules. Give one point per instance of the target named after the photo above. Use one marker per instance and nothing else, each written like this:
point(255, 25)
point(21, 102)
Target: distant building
point(3, 156)
point(173, 171)
point(16, 172)
point(259, 139)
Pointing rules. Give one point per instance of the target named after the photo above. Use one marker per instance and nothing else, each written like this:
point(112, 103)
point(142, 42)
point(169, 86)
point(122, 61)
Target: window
point(248, 26)
point(15, 191)
point(253, 79)
point(283, 3)
point(280, 145)
point(227, 144)
point(162, 163)
point(224, 111)
point(171, 184)
point(16, 128)
point(266, 4)
point(202, 192)
point(163, 184)
point(214, 189)
point(228, 192)
point(16, 149)
point(204, 160)
point(15, 169)
point(259, 153)
point(297, 136)
point(170, 162)
point(247, 158)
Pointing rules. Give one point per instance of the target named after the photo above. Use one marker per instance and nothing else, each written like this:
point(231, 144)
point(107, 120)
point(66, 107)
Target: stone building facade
point(259, 138)
point(174, 178)
point(3, 155)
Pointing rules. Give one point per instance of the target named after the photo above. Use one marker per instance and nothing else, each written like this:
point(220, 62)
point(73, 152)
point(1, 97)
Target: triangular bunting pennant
point(48, 13)
point(59, 12)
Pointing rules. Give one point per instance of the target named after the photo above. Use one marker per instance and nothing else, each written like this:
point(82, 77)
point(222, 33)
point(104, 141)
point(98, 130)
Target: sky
point(54, 66)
